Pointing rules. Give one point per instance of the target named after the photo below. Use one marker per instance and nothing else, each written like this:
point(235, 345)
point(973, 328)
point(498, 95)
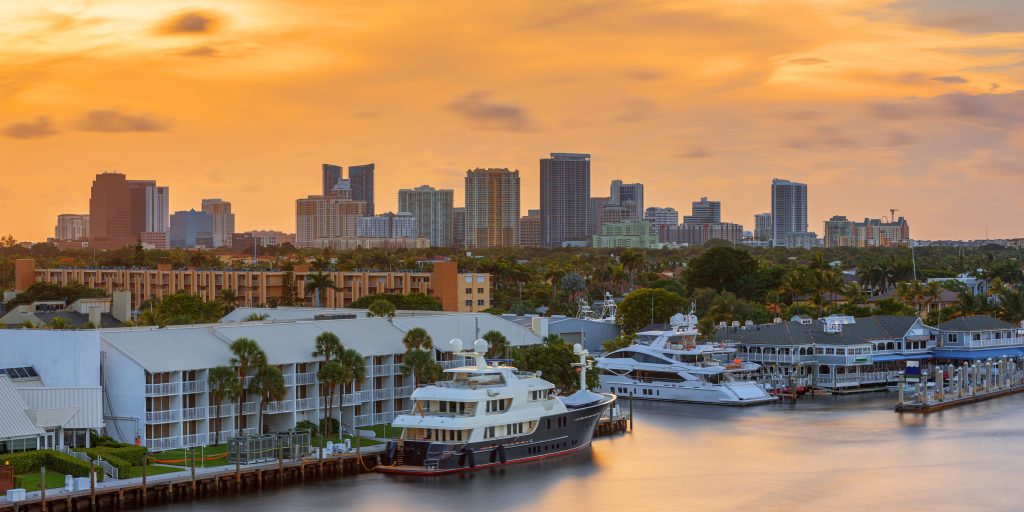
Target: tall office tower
point(705, 212)
point(361, 178)
point(789, 210)
point(388, 225)
point(321, 219)
point(331, 175)
point(156, 208)
point(433, 211)
point(629, 195)
point(71, 226)
point(223, 221)
point(110, 212)
point(565, 214)
point(597, 205)
point(191, 229)
point(529, 229)
point(459, 227)
point(763, 227)
point(492, 208)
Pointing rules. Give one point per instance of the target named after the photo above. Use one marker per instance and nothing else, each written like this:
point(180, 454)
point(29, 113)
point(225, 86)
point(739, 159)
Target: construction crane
point(892, 214)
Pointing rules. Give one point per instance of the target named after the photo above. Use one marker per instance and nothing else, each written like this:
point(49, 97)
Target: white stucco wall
point(126, 396)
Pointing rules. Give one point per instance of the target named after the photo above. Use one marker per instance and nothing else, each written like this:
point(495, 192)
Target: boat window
point(640, 357)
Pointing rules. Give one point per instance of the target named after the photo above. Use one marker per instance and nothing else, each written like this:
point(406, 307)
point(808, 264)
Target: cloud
point(695, 152)
point(644, 75)
point(200, 51)
point(951, 79)
point(114, 121)
point(41, 127)
point(481, 111)
point(190, 22)
point(808, 61)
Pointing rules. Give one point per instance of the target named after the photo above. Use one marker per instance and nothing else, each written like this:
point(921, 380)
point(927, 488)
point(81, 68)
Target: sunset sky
point(916, 105)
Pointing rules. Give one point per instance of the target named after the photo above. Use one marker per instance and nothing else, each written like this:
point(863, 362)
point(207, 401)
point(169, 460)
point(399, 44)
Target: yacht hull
point(737, 394)
point(555, 435)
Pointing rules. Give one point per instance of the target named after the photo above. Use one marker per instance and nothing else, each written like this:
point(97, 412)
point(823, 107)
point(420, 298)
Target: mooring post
point(193, 472)
point(901, 380)
point(92, 485)
point(42, 488)
point(631, 411)
point(145, 464)
point(280, 463)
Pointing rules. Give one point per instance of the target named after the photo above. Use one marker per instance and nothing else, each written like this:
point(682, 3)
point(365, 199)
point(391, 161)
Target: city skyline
point(876, 105)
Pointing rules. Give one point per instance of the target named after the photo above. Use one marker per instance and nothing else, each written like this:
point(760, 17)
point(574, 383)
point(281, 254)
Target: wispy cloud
point(115, 121)
point(36, 129)
point(951, 79)
point(190, 22)
point(481, 111)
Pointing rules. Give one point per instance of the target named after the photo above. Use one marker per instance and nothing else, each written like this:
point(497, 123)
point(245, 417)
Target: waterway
point(822, 454)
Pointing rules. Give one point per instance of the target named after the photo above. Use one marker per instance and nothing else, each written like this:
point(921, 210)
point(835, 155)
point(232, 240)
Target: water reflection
point(829, 453)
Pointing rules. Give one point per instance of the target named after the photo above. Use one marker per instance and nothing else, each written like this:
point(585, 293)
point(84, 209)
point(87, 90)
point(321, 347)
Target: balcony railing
point(404, 391)
point(193, 386)
point(278, 407)
point(384, 394)
point(226, 410)
point(383, 417)
point(363, 420)
point(305, 378)
point(163, 443)
point(170, 388)
point(364, 396)
point(396, 369)
point(162, 416)
point(305, 404)
point(194, 413)
point(189, 440)
point(381, 370)
point(249, 408)
point(289, 379)
point(213, 438)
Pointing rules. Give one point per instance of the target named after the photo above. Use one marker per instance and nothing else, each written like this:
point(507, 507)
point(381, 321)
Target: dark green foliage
point(723, 269)
point(648, 305)
point(123, 466)
point(308, 426)
point(554, 359)
point(412, 302)
point(182, 309)
point(27, 462)
point(47, 291)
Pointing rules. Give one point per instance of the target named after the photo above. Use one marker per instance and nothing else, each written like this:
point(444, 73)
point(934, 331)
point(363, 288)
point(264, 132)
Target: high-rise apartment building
point(388, 225)
point(626, 234)
point(492, 208)
point(661, 219)
point(565, 214)
point(789, 211)
point(597, 205)
point(459, 227)
point(699, 234)
point(529, 229)
point(763, 227)
point(331, 175)
point(191, 229)
point(842, 232)
point(320, 219)
point(361, 178)
point(629, 196)
point(704, 212)
point(223, 221)
point(71, 226)
point(120, 210)
point(432, 209)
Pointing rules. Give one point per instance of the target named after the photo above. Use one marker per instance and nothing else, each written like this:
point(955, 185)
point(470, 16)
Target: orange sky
point(916, 105)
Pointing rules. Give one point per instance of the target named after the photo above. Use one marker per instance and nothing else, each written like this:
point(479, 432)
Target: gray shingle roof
point(864, 330)
point(975, 323)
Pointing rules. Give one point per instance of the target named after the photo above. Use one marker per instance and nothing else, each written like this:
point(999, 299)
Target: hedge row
point(123, 466)
point(29, 462)
point(131, 454)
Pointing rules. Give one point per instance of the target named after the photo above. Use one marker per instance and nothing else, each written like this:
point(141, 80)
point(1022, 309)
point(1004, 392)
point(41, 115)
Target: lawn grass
point(30, 481)
point(385, 431)
point(136, 471)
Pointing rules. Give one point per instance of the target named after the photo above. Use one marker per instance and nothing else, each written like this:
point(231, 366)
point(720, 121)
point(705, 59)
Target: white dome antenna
point(480, 346)
point(456, 345)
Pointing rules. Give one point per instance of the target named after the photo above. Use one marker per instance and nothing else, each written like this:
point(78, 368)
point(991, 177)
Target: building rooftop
point(975, 323)
point(864, 330)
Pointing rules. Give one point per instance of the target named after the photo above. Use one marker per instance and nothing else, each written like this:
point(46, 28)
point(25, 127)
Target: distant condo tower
point(789, 212)
point(331, 175)
point(432, 209)
point(565, 209)
point(121, 210)
point(361, 177)
point(492, 208)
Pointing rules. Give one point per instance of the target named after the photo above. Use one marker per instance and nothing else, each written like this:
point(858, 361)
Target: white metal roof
point(171, 348)
point(467, 327)
point(14, 421)
point(87, 403)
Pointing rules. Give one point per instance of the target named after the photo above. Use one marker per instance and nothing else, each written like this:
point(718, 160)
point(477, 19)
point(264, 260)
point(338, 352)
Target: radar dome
point(480, 346)
point(456, 345)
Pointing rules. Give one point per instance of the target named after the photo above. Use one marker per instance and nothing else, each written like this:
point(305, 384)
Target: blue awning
point(897, 357)
point(972, 355)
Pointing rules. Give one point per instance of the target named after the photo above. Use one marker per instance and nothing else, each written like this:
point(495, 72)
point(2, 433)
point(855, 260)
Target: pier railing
point(954, 385)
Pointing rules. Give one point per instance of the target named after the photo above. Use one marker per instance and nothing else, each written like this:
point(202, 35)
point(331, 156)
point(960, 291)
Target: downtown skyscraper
point(223, 221)
point(565, 209)
point(122, 210)
point(432, 209)
point(492, 208)
point(789, 213)
point(360, 181)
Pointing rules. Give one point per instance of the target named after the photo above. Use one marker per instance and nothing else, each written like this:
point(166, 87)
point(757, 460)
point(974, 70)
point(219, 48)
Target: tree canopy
point(648, 305)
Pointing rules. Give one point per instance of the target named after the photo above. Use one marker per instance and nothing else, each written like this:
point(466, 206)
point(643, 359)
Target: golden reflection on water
point(826, 454)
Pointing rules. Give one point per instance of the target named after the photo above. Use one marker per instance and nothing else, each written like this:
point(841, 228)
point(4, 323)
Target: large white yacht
point(491, 415)
point(671, 365)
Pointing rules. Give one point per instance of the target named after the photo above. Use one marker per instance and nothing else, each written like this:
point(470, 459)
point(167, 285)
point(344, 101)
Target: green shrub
point(96, 440)
point(110, 455)
point(308, 426)
point(30, 462)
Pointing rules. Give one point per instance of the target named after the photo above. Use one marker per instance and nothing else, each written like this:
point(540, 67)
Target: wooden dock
point(162, 489)
point(927, 407)
point(961, 385)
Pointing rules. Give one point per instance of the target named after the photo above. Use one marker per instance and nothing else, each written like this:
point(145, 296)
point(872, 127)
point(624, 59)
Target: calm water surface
point(825, 454)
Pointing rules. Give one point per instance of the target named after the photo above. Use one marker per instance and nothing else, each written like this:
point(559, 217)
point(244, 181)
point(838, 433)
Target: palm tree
point(421, 365)
point(247, 354)
point(497, 344)
point(854, 294)
point(1011, 305)
point(58, 323)
point(330, 375)
point(328, 346)
point(256, 317)
point(229, 298)
point(417, 339)
point(268, 383)
point(554, 273)
point(317, 284)
point(911, 293)
point(223, 383)
point(631, 261)
point(381, 308)
point(932, 293)
point(353, 370)
point(793, 284)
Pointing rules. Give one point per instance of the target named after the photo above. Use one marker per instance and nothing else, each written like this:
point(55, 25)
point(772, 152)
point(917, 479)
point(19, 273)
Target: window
point(479, 279)
point(469, 279)
point(480, 302)
point(469, 302)
point(479, 290)
point(469, 291)
point(489, 433)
